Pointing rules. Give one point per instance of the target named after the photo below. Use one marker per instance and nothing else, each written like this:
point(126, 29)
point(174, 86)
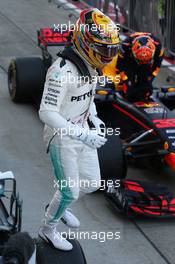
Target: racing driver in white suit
point(66, 106)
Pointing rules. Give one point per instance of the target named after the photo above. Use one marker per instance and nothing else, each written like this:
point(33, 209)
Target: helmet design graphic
point(143, 49)
point(96, 37)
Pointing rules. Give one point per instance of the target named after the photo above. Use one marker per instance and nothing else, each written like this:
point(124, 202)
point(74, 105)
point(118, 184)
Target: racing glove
point(97, 122)
point(90, 137)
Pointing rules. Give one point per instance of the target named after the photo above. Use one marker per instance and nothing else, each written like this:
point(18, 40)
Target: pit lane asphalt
point(142, 241)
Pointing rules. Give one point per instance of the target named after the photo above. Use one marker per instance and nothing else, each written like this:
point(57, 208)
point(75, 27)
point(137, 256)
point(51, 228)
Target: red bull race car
point(147, 135)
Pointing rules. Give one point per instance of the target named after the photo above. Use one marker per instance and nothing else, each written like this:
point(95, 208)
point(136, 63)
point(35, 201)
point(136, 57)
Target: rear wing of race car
point(52, 37)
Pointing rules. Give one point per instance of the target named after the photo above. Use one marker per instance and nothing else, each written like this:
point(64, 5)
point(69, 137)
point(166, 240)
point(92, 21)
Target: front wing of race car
point(141, 198)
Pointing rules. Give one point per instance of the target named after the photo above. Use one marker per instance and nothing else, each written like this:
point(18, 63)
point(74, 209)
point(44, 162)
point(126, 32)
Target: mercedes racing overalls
point(75, 164)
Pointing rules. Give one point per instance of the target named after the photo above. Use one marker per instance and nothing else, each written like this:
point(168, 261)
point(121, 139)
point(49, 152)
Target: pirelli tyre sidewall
point(26, 78)
point(47, 254)
point(113, 164)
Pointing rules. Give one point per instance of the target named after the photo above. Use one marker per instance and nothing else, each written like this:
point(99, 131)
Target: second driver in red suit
point(139, 63)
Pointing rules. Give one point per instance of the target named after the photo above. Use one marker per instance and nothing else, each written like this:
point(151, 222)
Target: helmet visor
point(106, 50)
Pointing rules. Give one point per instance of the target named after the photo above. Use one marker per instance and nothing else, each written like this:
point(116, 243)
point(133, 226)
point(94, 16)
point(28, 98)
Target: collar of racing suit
point(92, 71)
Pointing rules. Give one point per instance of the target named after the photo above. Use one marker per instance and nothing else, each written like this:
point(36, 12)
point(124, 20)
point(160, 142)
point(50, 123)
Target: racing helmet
point(143, 49)
point(96, 37)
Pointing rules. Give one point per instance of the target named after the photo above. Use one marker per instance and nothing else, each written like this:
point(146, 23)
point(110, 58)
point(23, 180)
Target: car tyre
point(47, 254)
point(26, 78)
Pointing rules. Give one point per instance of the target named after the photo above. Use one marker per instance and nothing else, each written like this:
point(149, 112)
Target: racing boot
point(49, 234)
point(70, 220)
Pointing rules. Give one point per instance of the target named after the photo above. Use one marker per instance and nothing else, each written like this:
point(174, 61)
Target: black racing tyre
point(26, 78)
point(112, 159)
point(47, 254)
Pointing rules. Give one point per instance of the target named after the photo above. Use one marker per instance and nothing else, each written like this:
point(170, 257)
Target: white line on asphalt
point(71, 6)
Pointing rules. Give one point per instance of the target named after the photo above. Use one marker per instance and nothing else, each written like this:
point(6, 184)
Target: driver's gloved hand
point(98, 124)
point(90, 137)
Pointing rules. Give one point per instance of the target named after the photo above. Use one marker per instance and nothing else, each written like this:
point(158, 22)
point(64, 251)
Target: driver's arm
point(53, 95)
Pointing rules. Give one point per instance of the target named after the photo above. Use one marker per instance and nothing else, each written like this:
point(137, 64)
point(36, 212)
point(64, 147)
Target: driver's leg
point(90, 177)
point(63, 155)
